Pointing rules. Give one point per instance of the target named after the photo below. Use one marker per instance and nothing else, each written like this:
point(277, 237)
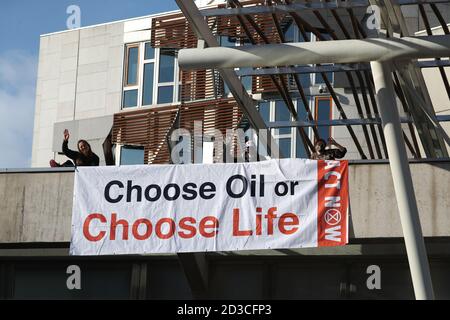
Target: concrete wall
point(436, 87)
point(37, 207)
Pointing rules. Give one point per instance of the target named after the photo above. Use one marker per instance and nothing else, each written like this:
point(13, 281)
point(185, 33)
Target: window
point(290, 32)
point(130, 98)
point(166, 66)
point(148, 81)
point(150, 76)
point(149, 51)
point(323, 113)
point(131, 155)
point(166, 76)
point(247, 80)
point(226, 41)
point(131, 77)
point(285, 147)
point(47, 280)
point(132, 66)
point(264, 110)
point(282, 113)
point(165, 94)
point(302, 115)
point(319, 77)
point(276, 110)
point(147, 95)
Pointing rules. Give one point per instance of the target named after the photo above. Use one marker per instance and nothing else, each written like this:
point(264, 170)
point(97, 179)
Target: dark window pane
point(130, 98)
point(247, 83)
point(47, 280)
point(302, 39)
point(226, 89)
point(326, 36)
point(131, 155)
point(329, 75)
point(166, 66)
point(285, 147)
point(302, 115)
point(282, 114)
point(247, 80)
point(133, 54)
point(226, 41)
point(305, 80)
point(300, 148)
point(167, 281)
point(323, 112)
point(149, 51)
point(264, 110)
point(165, 94)
point(147, 98)
point(289, 33)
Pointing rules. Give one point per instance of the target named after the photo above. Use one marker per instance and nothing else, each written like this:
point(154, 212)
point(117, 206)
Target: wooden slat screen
point(150, 127)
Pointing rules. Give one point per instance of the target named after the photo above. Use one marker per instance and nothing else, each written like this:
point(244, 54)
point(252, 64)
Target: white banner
point(277, 204)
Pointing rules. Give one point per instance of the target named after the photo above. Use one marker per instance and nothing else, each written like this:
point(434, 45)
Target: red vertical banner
point(333, 203)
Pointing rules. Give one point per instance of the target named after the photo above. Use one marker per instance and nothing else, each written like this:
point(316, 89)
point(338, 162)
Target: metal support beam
point(200, 27)
point(306, 69)
point(272, 55)
point(340, 122)
point(403, 185)
point(247, 104)
point(433, 64)
point(299, 7)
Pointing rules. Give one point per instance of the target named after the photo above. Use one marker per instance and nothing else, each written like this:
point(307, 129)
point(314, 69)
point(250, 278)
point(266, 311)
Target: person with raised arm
point(84, 157)
point(324, 151)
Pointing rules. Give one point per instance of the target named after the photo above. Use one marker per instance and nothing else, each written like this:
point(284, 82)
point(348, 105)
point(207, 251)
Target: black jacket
point(79, 159)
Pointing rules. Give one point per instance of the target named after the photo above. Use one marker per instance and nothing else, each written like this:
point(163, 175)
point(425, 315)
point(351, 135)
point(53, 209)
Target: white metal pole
point(337, 51)
point(403, 184)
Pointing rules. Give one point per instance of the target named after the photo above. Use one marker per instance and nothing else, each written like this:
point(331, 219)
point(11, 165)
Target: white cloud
point(18, 72)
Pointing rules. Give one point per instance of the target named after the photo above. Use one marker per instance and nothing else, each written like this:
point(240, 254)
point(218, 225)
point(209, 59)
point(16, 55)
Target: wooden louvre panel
point(200, 85)
point(150, 127)
point(231, 26)
point(263, 84)
point(147, 128)
point(172, 31)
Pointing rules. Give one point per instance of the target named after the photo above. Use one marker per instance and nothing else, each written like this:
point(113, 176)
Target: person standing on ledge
point(83, 158)
point(323, 151)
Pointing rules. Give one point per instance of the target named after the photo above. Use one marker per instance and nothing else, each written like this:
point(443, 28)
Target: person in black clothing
point(83, 158)
point(322, 153)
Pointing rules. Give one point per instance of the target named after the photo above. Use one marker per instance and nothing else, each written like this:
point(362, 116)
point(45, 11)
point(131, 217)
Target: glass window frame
point(120, 149)
point(127, 86)
point(175, 84)
point(128, 47)
point(317, 99)
point(293, 134)
point(144, 62)
point(140, 78)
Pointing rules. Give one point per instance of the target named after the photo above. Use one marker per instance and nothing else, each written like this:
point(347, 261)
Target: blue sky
point(21, 24)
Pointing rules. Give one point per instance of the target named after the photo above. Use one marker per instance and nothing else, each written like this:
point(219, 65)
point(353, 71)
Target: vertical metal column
point(401, 175)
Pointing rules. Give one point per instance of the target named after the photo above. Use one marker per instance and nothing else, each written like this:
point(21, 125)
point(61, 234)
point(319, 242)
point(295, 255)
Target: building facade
point(121, 83)
point(119, 86)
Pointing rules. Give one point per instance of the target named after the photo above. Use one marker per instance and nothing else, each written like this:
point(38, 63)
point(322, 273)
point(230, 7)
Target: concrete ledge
point(36, 206)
